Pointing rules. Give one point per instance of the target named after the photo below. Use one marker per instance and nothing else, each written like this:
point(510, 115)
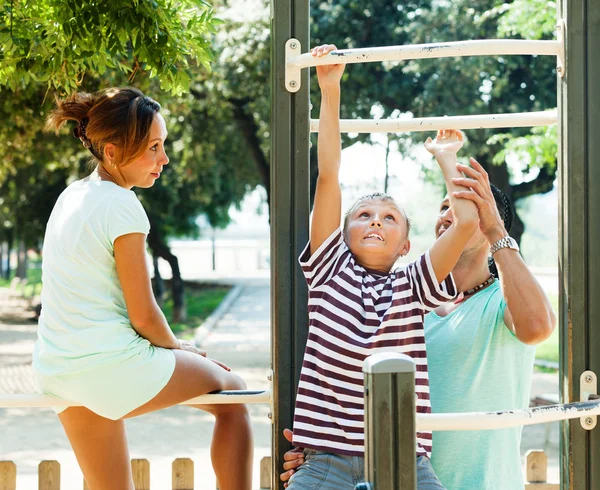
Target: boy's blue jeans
point(329, 471)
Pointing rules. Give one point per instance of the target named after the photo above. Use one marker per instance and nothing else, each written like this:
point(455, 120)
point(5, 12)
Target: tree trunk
point(387, 169)
point(249, 130)
point(214, 250)
point(22, 261)
point(160, 249)
point(9, 246)
point(157, 283)
point(2, 257)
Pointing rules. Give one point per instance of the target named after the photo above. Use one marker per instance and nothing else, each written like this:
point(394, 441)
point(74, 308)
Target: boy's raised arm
point(448, 248)
point(327, 210)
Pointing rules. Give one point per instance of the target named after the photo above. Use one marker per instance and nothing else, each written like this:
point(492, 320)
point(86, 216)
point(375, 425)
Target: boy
point(358, 306)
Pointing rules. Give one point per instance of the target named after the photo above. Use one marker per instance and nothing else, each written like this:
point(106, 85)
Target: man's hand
point(447, 142)
point(329, 76)
point(477, 179)
point(293, 459)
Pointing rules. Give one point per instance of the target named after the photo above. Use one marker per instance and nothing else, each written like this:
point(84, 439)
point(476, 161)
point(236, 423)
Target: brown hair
point(377, 196)
point(121, 116)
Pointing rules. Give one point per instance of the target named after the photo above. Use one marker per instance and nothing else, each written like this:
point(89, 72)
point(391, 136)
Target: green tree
point(493, 85)
point(210, 170)
point(58, 42)
point(422, 87)
point(54, 47)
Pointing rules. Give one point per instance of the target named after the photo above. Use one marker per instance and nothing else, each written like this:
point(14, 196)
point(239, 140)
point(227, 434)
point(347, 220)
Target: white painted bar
point(434, 422)
point(35, 400)
point(483, 47)
point(503, 420)
point(479, 121)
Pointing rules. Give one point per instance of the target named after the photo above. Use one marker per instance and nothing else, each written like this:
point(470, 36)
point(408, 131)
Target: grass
point(201, 300)
point(34, 281)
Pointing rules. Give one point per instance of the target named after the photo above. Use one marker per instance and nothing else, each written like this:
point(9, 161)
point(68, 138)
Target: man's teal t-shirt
point(476, 364)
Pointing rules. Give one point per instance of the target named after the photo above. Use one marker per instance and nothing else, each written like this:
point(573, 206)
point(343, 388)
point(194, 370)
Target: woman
point(102, 339)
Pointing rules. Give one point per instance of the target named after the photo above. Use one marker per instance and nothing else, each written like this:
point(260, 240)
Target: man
point(480, 347)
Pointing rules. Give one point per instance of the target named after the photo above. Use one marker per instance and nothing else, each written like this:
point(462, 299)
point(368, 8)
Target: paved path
point(240, 337)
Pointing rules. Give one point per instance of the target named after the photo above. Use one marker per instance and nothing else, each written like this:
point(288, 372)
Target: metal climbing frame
point(579, 232)
point(578, 119)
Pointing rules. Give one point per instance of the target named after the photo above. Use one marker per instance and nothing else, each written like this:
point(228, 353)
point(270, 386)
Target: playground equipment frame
point(578, 120)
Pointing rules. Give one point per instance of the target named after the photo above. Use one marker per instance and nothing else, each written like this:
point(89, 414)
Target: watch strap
point(505, 242)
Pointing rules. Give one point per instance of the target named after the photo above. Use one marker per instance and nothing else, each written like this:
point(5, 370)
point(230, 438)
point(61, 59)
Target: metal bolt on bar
point(588, 389)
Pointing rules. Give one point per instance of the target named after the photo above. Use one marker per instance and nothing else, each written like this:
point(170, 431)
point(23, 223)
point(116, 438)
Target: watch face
point(512, 243)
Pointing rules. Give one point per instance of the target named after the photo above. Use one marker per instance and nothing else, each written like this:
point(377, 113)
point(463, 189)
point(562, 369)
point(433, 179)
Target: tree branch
point(541, 184)
point(249, 130)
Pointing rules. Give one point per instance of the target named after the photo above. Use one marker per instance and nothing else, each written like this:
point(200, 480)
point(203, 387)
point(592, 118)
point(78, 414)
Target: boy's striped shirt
point(354, 313)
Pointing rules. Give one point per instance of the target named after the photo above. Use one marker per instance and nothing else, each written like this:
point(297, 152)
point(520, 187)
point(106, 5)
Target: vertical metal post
point(579, 234)
point(289, 206)
point(390, 425)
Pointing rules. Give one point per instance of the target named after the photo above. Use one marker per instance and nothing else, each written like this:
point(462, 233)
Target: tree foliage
point(220, 129)
point(102, 44)
point(473, 85)
point(58, 42)
point(453, 86)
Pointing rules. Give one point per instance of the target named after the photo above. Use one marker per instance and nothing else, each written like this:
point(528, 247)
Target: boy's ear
point(404, 249)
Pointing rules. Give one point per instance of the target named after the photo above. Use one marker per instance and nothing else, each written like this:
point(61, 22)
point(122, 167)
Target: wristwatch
point(506, 242)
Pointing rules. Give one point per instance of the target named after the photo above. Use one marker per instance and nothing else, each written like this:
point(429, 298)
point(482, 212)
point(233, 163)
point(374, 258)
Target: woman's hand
point(478, 181)
point(447, 142)
point(329, 76)
point(189, 346)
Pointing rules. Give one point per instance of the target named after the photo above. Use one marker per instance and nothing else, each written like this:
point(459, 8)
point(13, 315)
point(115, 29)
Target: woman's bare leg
point(232, 440)
point(100, 446)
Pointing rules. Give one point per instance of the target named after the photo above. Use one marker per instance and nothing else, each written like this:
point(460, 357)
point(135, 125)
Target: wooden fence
point(536, 472)
point(183, 474)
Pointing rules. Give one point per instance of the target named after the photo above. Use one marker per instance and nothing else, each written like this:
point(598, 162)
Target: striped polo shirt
point(353, 313)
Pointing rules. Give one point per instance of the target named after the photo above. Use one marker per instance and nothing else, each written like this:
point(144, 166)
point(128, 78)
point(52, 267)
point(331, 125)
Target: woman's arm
point(327, 209)
point(447, 249)
point(146, 317)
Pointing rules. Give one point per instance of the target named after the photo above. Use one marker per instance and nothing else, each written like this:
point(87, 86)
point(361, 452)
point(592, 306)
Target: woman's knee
point(235, 382)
